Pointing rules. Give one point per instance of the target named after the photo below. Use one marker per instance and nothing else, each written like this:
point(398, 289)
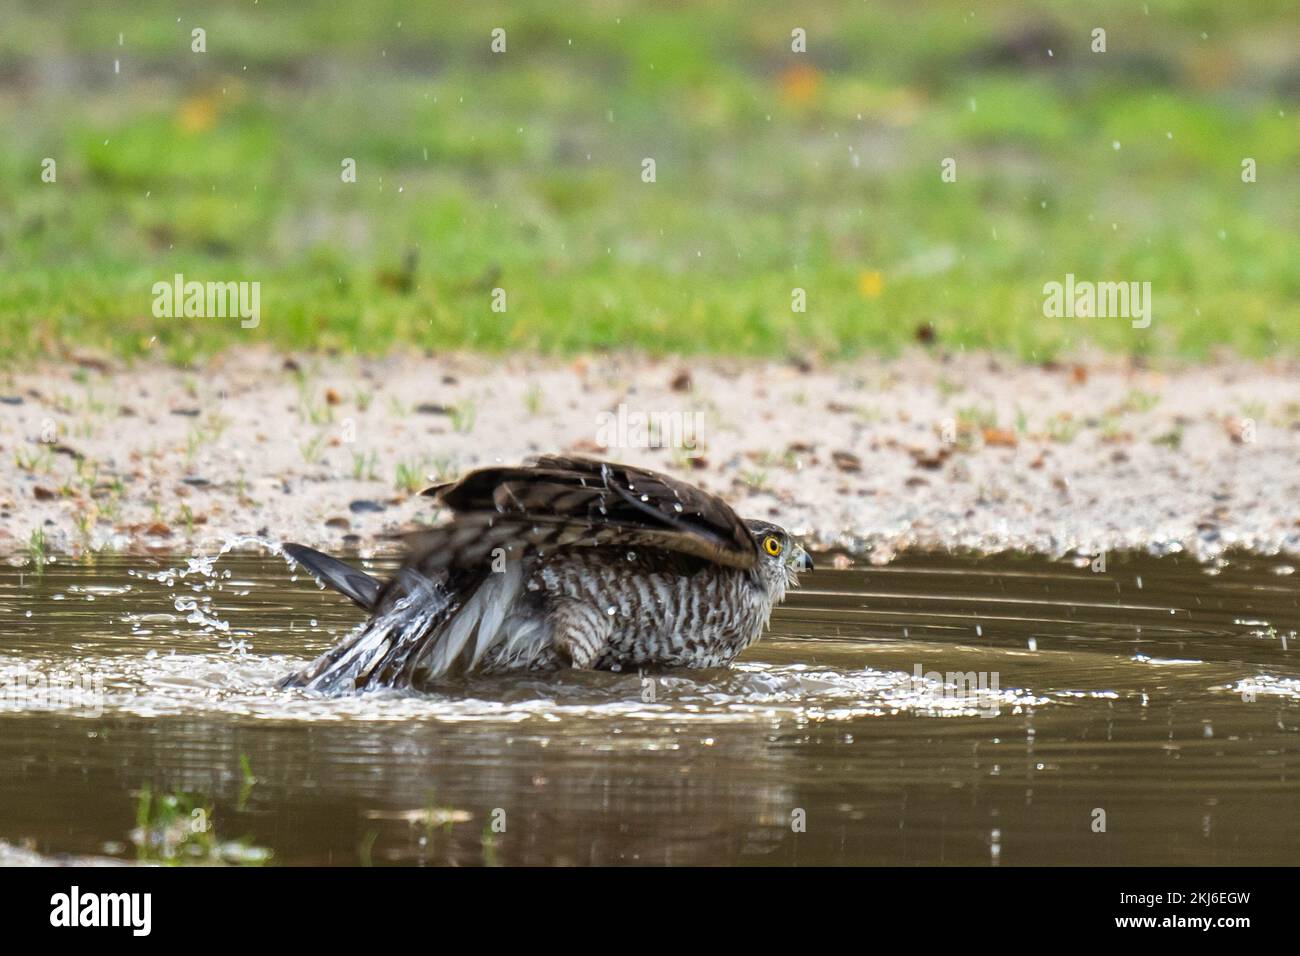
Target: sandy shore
point(866, 458)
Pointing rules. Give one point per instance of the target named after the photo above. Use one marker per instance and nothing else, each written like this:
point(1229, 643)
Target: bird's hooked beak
point(800, 560)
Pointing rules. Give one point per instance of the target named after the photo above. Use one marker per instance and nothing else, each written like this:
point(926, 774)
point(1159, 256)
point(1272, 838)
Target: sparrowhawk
point(562, 562)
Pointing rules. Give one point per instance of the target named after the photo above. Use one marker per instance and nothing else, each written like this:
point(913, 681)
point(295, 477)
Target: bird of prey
point(561, 562)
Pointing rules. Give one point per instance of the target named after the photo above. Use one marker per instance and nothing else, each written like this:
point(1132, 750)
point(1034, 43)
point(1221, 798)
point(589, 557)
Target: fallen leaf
point(799, 84)
point(931, 460)
point(846, 461)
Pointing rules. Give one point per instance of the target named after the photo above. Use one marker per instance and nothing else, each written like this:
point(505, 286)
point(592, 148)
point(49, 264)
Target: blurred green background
point(775, 170)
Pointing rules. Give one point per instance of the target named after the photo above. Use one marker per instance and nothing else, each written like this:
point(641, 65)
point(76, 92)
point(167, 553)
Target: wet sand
point(866, 458)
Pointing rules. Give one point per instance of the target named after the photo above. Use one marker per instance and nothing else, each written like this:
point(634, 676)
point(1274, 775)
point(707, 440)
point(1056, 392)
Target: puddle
point(990, 711)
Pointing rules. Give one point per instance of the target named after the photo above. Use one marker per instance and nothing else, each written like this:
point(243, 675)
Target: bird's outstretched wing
point(554, 502)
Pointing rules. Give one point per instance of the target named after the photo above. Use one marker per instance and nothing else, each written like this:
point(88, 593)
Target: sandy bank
point(869, 457)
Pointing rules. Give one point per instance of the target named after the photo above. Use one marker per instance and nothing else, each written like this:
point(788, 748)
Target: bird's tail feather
point(427, 633)
point(347, 580)
point(478, 626)
point(379, 652)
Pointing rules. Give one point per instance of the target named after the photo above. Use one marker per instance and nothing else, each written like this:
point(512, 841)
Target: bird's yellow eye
point(772, 545)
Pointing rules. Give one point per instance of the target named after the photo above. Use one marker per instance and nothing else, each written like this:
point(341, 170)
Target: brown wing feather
point(579, 502)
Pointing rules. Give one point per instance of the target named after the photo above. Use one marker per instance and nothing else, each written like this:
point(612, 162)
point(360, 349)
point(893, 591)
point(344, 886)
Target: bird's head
point(780, 557)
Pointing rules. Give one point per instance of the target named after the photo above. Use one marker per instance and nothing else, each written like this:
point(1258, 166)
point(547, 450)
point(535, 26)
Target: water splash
point(202, 578)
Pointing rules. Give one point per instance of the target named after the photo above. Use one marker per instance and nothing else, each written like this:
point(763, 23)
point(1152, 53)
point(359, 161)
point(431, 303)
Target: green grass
point(775, 170)
point(177, 829)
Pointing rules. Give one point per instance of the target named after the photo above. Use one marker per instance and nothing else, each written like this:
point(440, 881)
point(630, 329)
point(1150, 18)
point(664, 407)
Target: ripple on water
point(1168, 695)
point(243, 684)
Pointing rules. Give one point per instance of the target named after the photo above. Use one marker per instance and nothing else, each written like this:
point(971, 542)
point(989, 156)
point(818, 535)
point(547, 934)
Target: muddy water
point(1146, 713)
